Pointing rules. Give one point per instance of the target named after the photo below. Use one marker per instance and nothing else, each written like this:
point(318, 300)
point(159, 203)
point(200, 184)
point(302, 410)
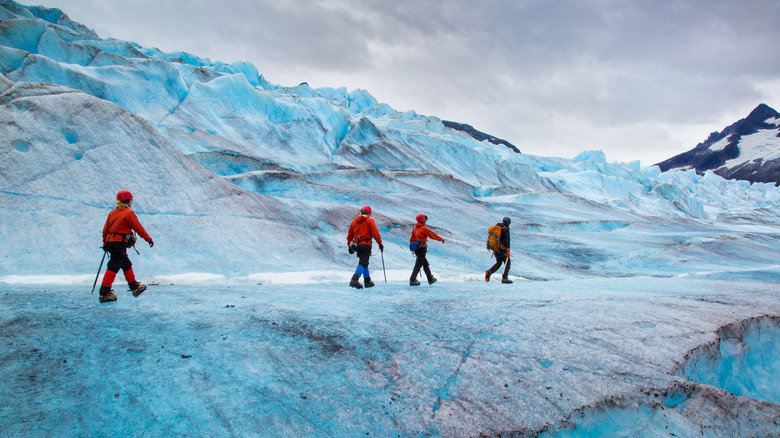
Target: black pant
point(422, 262)
point(364, 254)
point(118, 257)
point(500, 259)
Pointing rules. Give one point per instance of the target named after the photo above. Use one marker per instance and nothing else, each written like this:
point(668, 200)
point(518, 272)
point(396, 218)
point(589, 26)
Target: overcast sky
point(638, 79)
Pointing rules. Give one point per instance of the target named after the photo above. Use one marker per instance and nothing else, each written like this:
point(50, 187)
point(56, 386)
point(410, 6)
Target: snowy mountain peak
point(748, 150)
point(762, 113)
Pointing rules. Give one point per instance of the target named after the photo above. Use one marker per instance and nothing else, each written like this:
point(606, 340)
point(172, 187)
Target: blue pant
point(363, 254)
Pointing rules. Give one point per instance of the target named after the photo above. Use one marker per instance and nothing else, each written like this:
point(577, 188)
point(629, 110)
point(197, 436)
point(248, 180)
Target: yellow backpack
point(494, 238)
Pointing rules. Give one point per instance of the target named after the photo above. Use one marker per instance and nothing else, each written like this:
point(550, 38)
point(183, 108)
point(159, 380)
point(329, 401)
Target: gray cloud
point(637, 79)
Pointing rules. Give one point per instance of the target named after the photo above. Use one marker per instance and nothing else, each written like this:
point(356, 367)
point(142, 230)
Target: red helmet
point(124, 195)
point(422, 218)
point(366, 209)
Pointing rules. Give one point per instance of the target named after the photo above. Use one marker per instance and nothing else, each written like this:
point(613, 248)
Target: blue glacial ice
point(743, 360)
point(457, 358)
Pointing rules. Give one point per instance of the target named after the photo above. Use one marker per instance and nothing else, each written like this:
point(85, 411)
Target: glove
point(442, 240)
point(351, 249)
point(381, 248)
point(151, 243)
point(507, 253)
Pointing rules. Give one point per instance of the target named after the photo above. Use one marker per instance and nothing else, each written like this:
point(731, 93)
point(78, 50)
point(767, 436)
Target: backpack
point(494, 238)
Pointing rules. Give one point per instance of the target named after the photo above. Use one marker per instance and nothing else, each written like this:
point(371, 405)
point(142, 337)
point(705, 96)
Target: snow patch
point(759, 146)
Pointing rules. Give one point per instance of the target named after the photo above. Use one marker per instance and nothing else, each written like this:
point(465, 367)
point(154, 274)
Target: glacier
point(644, 303)
point(584, 358)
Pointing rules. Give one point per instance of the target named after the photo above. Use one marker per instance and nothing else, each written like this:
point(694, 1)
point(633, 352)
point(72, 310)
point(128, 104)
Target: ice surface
point(452, 359)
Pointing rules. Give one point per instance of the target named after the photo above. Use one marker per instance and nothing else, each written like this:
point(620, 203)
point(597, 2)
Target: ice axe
point(101, 267)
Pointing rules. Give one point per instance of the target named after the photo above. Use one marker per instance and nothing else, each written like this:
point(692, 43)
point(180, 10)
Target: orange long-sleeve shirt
point(123, 221)
point(421, 233)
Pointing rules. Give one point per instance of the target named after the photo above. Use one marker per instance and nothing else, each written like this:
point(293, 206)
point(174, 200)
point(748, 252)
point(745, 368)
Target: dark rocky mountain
point(479, 135)
point(746, 150)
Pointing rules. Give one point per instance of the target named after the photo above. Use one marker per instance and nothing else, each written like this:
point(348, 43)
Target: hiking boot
point(432, 280)
point(506, 281)
point(138, 290)
point(414, 282)
point(355, 282)
point(107, 298)
point(368, 282)
point(487, 276)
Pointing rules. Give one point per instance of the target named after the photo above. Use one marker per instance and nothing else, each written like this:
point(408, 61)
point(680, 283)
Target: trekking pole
point(383, 264)
point(98, 274)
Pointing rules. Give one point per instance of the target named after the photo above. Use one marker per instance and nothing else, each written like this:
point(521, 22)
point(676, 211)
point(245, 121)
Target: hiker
point(118, 235)
point(418, 243)
point(501, 252)
point(361, 231)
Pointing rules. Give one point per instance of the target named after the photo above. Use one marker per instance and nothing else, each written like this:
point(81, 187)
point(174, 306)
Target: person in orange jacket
point(121, 223)
point(420, 235)
point(361, 232)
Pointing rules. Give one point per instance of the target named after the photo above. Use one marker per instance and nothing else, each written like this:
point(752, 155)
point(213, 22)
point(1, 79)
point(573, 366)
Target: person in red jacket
point(420, 235)
point(121, 223)
point(361, 231)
